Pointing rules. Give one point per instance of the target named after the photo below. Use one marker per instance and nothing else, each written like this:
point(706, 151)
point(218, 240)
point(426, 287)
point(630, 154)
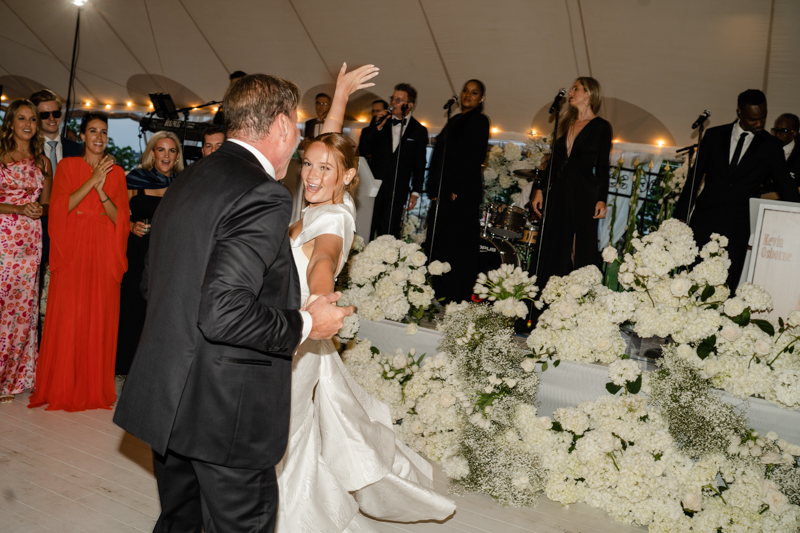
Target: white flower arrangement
point(498, 177)
point(411, 230)
point(389, 280)
point(507, 287)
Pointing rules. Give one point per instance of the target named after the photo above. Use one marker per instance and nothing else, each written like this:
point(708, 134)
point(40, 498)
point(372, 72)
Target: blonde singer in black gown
point(579, 186)
point(161, 161)
point(457, 157)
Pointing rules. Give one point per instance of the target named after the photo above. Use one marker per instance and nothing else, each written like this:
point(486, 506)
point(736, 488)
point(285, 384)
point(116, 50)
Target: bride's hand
point(355, 80)
point(310, 301)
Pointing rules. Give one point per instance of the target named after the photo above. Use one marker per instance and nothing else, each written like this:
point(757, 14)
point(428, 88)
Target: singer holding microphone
point(396, 144)
point(455, 187)
point(577, 185)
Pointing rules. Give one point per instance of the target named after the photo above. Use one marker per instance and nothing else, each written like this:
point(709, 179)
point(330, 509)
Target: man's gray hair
point(253, 102)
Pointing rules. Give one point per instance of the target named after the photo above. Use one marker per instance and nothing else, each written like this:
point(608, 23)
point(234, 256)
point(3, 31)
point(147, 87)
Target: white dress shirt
point(737, 133)
point(787, 150)
point(269, 169)
point(397, 134)
point(59, 148)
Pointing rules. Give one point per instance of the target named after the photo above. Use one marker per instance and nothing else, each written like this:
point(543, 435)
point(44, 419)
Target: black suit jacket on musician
point(724, 204)
point(308, 132)
point(70, 148)
point(378, 146)
point(211, 379)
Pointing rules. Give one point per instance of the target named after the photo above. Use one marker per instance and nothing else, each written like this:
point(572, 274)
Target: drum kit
point(509, 234)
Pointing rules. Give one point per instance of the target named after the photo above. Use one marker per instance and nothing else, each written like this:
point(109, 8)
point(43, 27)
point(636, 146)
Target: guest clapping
point(161, 161)
point(89, 234)
point(24, 191)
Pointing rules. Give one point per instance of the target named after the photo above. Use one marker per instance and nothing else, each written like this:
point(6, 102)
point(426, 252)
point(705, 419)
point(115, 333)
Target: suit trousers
point(196, 495)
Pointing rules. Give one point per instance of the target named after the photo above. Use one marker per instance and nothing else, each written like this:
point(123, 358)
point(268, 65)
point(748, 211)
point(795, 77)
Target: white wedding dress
point(342, 455)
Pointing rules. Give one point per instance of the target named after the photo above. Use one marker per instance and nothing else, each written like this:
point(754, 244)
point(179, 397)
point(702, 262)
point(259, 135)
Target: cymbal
point(527, 173)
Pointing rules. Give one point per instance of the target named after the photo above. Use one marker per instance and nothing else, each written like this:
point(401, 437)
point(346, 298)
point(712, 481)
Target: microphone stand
point(694, 174)
point(397, 164)
point(439, 191)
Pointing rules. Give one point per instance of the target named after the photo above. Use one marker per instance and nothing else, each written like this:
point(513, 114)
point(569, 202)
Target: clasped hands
point(327, 318)
point(99, 174)
point(32, 210)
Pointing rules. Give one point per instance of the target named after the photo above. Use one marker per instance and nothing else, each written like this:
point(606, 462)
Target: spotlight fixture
point(79, 3)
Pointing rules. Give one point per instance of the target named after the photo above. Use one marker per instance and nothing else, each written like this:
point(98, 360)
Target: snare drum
point(510, 223)
point(496, 252)
point(531, 235)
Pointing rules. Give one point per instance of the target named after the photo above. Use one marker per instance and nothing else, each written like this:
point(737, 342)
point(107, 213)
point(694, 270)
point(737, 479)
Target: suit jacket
point(70, 148)
point(383, 159)
point(794, 163)
point(308, 132)
point(211, 378)
point(726, 196)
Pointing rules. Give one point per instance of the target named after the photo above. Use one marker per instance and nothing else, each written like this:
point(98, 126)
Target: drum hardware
point(494, 252)
point(509, 224)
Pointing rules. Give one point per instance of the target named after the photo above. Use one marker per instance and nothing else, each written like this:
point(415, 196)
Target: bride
point(342, 455)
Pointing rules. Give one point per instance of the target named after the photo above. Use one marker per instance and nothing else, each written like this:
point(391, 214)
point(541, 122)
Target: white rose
point(731, 332)
point(528, 364)
point(390, 255)
point(776, 500)
point(576, 291)
point(734, 307)
point(411, 329)
point(398, 276)
point(680, 287)
point(771, 436)
point(436, 268)
point(400, 361)
point(427, 375)
point(446, 399)
point(763, 347)
point(607, 442)
point(416, 427)
point(627, 278)
point(417, 278)
point(418, 259)
point(692, 502)
point(609, 254)
point(685, 351)
point(545, 422)
point(603, 344)
point(488, 389)
point(511, 383)
point(794, 318)
point(713, 368)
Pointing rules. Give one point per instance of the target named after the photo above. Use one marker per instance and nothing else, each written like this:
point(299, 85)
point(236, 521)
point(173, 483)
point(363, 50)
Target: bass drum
point(495, 252)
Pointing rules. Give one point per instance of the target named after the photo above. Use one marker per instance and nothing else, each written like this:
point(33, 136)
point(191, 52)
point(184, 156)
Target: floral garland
point(506, 288)
point(389, 280)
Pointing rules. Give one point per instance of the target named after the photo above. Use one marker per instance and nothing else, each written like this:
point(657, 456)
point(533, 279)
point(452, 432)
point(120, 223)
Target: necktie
point(53, 160)
point(737, 153)
point(396, 121)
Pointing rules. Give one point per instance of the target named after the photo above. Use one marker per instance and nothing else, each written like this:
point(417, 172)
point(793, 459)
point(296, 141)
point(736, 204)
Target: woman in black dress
point(577, 194)
point(455, 187)
point(161, 161)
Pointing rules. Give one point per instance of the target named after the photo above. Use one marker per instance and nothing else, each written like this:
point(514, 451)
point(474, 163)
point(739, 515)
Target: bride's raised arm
point(346, 84)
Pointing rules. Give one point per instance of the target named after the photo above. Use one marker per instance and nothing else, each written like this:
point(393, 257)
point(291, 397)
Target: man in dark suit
point(381, 141)
point(322, 105)
point(736, 159)
point(785, 129)
point(209, 389)
point(56, 148)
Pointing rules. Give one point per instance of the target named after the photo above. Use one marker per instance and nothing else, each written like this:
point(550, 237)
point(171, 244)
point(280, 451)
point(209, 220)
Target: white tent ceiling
point(660, 63)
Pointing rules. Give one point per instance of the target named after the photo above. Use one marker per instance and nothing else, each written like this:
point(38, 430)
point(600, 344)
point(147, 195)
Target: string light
point(495, 130)
point(3, 97)
point(615, 141)
point(130, 104)
point(660, 143)
point(108, 106)
point(88, 104)
point(216, 109)
point(533, 132)
point(422, 123)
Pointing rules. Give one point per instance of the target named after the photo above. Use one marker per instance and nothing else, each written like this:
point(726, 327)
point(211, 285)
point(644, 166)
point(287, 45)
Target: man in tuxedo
point(210, 386)
point(322, 104)
point(56, 148)
point(378, 106)
point(785, 129)
point(736, 160)
point(387, 136)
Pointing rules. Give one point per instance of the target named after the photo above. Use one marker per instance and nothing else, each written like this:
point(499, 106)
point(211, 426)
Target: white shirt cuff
point(307, 323)
point(414, 193)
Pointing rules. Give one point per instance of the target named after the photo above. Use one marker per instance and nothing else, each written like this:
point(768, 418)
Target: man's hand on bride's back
point(326, 316)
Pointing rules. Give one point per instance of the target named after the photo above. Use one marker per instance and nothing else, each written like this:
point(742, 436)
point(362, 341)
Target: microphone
point(450, 102)
point(559, 96)
point(702, 118)
point(379, 118)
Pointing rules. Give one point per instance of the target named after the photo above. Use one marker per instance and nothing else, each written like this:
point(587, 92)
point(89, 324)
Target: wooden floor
point(78, 472)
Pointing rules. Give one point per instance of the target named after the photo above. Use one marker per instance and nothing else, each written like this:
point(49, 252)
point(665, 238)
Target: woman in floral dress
point(24, 193)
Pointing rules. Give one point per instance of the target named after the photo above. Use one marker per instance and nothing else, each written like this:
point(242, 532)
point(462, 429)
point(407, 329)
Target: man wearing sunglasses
point(56, 147)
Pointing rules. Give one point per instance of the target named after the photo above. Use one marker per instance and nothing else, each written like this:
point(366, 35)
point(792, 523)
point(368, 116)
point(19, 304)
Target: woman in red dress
point(24, 192)
point(89, 235)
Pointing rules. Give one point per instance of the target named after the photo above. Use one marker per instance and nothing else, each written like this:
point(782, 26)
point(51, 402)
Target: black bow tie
point(396, 121)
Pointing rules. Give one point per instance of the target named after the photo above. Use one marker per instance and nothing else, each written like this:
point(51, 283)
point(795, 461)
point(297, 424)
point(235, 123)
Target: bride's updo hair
point(346, 153)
